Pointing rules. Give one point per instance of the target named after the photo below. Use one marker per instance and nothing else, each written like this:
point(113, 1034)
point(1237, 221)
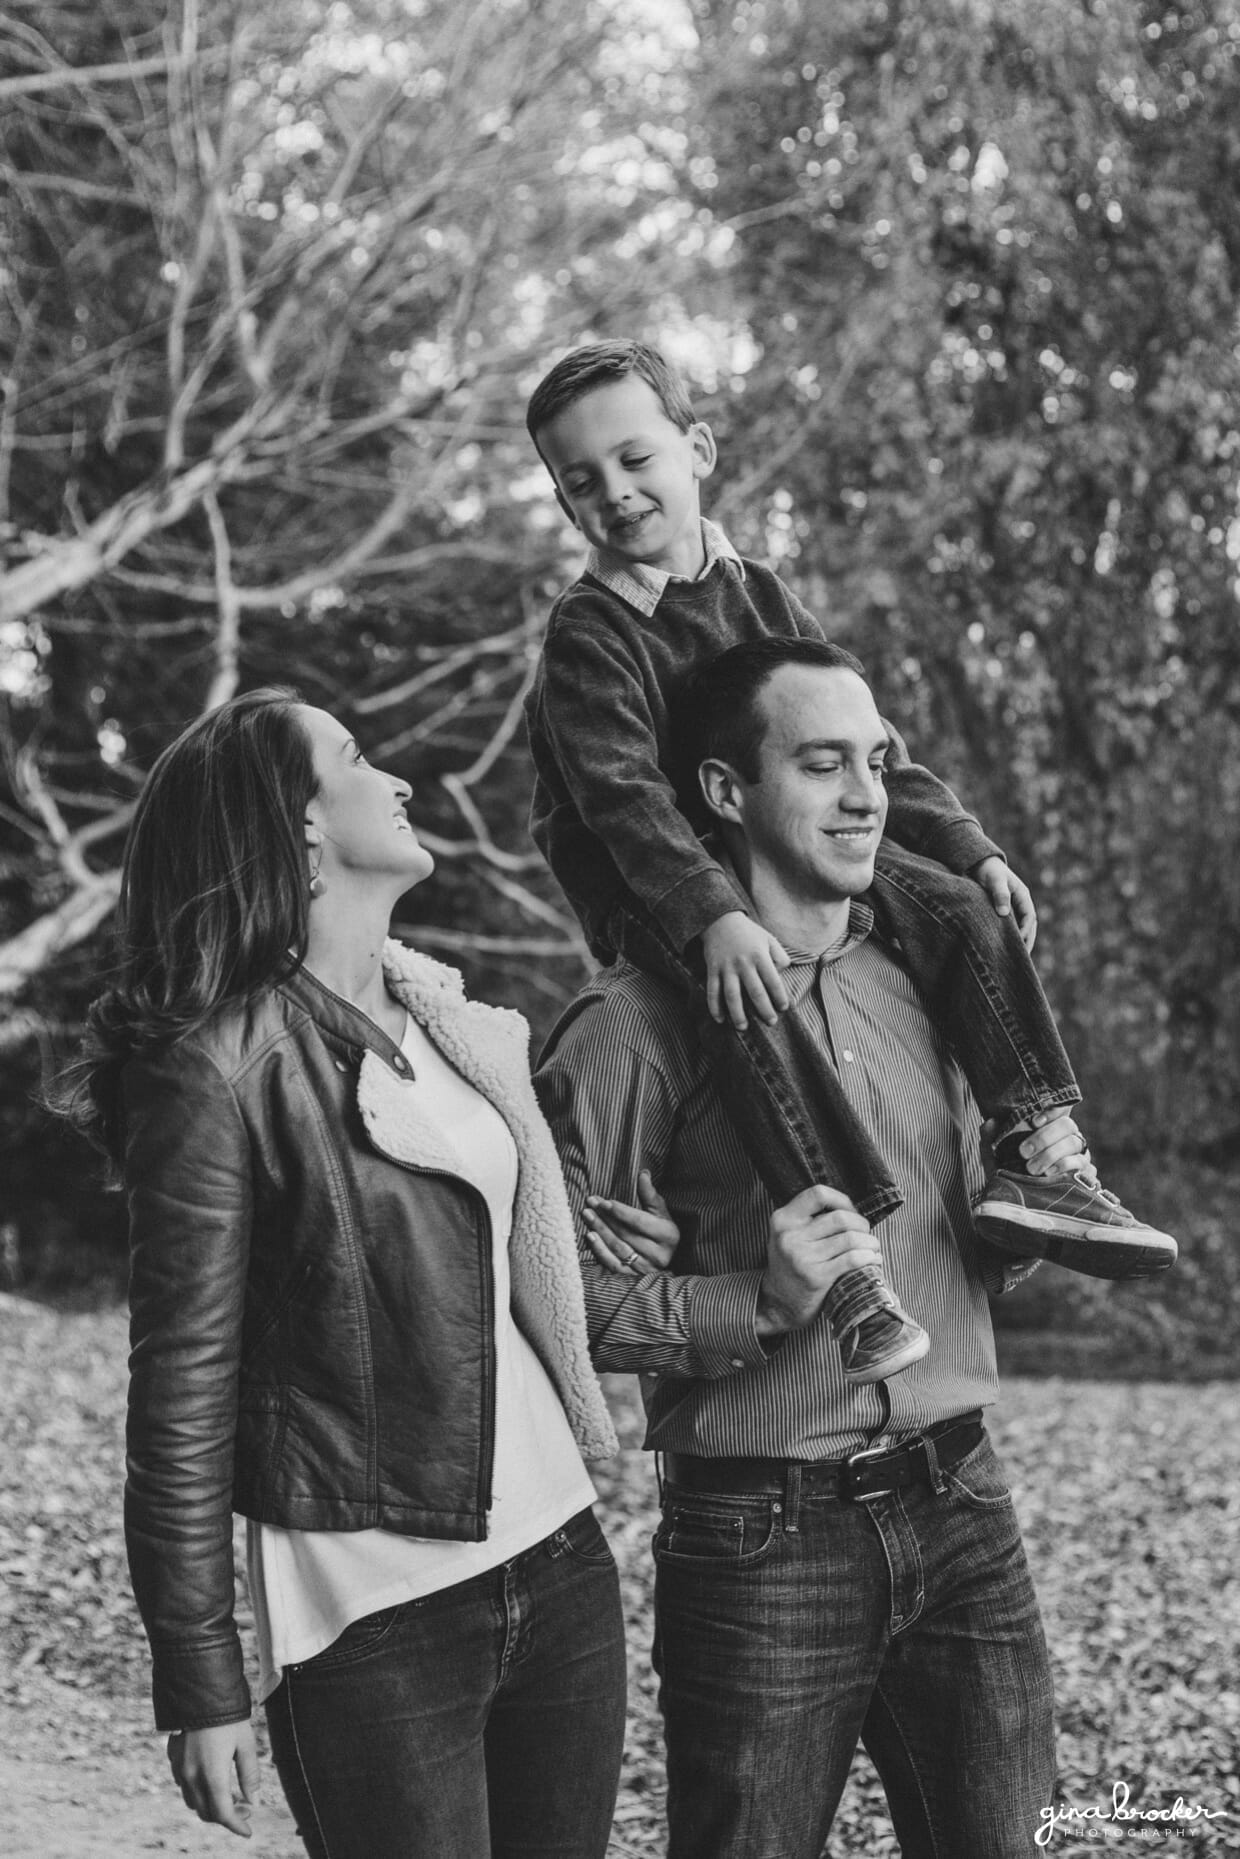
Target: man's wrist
point(774, 1318)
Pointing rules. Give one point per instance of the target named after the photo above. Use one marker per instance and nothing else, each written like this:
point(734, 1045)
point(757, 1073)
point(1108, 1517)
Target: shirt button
point(738, 1361)
point(341, 1066)
point(848, 1055)
point(399, 1063)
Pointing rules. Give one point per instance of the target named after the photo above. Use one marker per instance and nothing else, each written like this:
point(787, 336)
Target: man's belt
point(873, 1472)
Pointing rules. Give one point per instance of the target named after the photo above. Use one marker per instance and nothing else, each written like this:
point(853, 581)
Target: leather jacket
point(311, 1293)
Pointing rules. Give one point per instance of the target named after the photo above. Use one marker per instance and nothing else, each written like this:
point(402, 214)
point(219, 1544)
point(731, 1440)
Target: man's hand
point(202, 1762)
point(632, 1239)
point(743, 963)
point(812, 1241)
point(1009, 894)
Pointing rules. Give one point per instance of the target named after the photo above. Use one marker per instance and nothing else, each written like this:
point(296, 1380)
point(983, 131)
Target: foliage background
point(956, 284)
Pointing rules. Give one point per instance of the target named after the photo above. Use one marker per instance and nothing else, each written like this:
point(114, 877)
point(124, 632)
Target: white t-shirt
point(308, 1585)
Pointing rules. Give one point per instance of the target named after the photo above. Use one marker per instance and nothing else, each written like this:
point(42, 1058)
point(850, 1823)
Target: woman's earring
point(317, 885)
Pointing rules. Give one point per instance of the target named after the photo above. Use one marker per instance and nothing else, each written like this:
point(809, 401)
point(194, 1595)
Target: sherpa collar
point(489, 1047)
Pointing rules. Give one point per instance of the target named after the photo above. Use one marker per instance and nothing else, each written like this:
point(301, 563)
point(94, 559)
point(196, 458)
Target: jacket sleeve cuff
point(699, 900)
point(197, 1687)
point(723, 1322)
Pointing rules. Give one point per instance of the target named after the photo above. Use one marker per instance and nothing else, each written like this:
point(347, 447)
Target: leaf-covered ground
point(1129, 1494)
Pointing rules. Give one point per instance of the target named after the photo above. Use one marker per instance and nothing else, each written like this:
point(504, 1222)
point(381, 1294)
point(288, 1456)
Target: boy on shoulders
point(662, 593)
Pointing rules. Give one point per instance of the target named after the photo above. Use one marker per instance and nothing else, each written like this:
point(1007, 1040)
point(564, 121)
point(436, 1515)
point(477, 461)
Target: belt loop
point(792, 1500)
point(934, 1468)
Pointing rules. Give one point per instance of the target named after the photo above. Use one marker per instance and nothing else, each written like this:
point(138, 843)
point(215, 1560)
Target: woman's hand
point(202, 1762)
point(632, 1239)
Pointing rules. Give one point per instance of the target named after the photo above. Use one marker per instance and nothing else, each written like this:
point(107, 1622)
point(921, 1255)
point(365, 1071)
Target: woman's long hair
point(214, 893)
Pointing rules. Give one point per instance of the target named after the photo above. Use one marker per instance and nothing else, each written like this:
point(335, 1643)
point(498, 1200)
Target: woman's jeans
point(788, 1627)
point(979, 985)
point(486, 1719)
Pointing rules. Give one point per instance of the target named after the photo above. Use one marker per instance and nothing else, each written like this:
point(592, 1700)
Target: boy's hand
point(743, 962)
point(1009, 894)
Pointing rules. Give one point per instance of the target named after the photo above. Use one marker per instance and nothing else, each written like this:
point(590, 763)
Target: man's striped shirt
point(625, 1085)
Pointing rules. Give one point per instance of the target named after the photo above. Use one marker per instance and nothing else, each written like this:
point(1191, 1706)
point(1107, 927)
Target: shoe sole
point(1096, 1251)
point(912, 1351)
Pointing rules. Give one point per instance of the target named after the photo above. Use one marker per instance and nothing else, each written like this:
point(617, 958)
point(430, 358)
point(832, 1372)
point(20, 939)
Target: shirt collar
point(643, 587)
point(804, 966)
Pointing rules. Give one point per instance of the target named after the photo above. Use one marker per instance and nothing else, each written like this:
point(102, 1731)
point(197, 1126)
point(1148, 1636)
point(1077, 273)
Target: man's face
point(628, 477)
point(815, 816)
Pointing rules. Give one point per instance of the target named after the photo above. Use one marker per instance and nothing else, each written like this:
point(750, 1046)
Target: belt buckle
point(856, 1462)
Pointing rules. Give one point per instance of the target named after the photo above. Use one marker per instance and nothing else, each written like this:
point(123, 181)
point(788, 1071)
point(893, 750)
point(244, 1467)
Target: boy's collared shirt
point(643, 586)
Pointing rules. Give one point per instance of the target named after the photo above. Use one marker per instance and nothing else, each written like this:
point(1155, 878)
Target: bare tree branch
point(37, 946)
point(454, 660)
point(466, 942)
point(66, 563)
point(70, 184)
point(80, 77)
point(33, 789)
point(330, 574)
point(228, 623)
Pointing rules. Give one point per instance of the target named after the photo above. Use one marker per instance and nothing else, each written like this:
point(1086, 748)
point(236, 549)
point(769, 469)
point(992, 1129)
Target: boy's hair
point(720, 720)
point(596, 365)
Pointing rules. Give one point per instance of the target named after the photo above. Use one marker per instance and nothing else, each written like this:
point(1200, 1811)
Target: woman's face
point(357, 818)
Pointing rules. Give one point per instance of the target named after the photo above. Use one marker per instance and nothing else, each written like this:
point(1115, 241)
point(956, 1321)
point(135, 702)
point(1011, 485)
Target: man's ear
point(721, 790)
point(705, 451)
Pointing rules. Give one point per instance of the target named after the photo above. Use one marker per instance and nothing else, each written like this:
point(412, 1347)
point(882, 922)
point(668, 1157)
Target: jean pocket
point(977, 1479)
point(735, 1533)
point(583, 1540)
point(359, 1639)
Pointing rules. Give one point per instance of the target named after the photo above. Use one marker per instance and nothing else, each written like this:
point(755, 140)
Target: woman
point(356, 1318)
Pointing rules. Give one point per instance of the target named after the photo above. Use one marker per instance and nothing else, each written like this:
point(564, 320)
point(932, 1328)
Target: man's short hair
point(719, 716)
point(596, 365)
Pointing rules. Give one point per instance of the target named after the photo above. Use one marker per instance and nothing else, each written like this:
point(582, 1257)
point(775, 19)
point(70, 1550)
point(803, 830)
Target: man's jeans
point(486, 1719)
point(786, 1629)
point(979, 985)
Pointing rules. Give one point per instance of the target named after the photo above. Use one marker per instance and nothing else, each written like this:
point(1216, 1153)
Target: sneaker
point(876, 1337)
point(1071, 1220)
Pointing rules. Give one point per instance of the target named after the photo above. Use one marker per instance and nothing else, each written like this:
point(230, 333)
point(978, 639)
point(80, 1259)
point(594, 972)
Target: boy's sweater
point(600, 716)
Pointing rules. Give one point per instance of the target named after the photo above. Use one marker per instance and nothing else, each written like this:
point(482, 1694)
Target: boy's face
point(628, 477)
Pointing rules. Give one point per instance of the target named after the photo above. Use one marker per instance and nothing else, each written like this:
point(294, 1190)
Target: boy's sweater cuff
point(960, 845)
point(699, 900)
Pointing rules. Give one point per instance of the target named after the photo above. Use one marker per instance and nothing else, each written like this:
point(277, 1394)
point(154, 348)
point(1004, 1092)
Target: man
point(834, 1562)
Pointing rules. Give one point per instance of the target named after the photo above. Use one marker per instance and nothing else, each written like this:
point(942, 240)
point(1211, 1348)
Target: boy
point(663, 592)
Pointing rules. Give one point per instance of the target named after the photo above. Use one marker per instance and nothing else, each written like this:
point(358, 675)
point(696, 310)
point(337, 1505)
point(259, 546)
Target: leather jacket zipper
point(486, 1464)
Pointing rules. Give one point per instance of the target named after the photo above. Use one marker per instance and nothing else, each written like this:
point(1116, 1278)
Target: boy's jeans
point(978, 982)
point(788, 1627)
